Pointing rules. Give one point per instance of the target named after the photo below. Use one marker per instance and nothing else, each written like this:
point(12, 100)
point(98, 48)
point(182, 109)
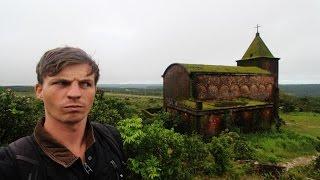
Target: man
point(65, 144)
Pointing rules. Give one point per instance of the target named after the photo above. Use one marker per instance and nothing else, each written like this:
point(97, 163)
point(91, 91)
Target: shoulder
point(18, 158)
point(109, 135)
point(5, 154)
point(7, 164)
point(106, 129)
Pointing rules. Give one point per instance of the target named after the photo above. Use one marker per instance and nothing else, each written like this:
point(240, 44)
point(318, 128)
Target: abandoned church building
point(211, 98)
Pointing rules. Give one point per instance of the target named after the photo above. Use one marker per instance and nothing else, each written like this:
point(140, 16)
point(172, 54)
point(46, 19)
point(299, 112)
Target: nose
point(74, 91)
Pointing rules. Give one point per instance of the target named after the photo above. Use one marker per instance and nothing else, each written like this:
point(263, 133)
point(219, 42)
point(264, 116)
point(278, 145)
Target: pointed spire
point(257, 29)
point(257, 48)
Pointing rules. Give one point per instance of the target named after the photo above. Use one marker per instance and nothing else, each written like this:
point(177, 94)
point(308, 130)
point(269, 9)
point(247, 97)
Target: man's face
point(69, 95)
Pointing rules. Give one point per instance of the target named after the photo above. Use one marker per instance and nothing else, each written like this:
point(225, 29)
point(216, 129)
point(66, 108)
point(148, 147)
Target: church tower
point(260, 56)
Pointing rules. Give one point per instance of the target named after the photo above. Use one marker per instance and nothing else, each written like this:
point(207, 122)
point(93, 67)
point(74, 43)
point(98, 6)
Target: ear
point(38, 90)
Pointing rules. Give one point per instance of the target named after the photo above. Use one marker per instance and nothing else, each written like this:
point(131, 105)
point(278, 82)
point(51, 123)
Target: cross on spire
point(257, 28)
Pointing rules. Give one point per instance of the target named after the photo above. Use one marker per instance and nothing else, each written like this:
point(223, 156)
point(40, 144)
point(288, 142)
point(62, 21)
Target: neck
point(71, 135)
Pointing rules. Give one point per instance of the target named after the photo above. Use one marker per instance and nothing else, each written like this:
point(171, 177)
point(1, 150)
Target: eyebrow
point(69, 80)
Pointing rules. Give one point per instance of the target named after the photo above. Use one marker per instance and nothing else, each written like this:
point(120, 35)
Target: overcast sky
point(134, 41)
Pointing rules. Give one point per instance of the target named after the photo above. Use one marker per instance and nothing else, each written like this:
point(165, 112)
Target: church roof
point(201, 68)
point(257, 49)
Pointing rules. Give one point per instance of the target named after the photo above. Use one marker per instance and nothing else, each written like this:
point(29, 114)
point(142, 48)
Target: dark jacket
point(56, 162)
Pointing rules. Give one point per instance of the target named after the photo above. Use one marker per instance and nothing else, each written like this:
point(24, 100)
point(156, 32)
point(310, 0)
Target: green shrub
point(146, 166)
point(221, 149)
point(197, 158)
point(131, 131)
point(161, 117)
point(18, 116)
point(157, 152)
point(152, 143)
point(109, 110)
point(243, 151)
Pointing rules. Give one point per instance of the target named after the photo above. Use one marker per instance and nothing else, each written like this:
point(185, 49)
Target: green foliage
point(109, 110)
point(243, 151)
point(160, 117)
point(306, 123)
point(146, 166)
point(157, 152)
point(197, 158)
point(301, 90)
point(131, 131)
point(222, 149)
point(169, 121)
point(221, 153)
point(273, 146)
point(18, 115)
point(289, 103)
point(153, 148)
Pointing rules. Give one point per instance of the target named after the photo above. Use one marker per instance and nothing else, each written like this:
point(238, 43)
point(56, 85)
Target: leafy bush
point(289, 103)
point(155, 146)
point(243, 151)
point(18, 116)
point(109, 110)
point(197, 157)
point(157, 152)
point(221, 149)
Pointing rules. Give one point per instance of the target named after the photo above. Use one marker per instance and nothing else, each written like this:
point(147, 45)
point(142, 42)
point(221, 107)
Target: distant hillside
point(301, 89)
point(137, 89)
point(19, 88)
point(135, 86)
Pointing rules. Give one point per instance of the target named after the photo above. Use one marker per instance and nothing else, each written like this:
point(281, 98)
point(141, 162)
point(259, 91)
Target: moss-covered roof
point(257, 49)
point(201, 68)
point(215, 105)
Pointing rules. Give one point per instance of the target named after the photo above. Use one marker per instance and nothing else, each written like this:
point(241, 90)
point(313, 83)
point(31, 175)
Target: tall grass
point(302, 122)
point(274, 146)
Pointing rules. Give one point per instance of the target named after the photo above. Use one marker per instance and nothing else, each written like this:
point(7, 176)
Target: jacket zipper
point(114, 165)
point(87, 168)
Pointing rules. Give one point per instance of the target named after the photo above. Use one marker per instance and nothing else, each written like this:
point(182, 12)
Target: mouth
point(71, 108)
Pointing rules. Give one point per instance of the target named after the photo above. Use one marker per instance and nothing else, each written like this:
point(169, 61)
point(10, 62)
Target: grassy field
point(306, 123)
point(25, 93)
point(297, 137)
point(139, 101)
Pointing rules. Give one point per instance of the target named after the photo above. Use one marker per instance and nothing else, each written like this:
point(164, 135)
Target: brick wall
point(227, 87)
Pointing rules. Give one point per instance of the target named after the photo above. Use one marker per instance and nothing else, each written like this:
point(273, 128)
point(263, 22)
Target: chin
point(74, 119)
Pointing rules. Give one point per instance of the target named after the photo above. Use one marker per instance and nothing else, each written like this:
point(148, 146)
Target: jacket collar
point(56, 151)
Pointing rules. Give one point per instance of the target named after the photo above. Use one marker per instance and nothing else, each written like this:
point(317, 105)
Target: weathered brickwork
point(206, 97)
point(228, 87)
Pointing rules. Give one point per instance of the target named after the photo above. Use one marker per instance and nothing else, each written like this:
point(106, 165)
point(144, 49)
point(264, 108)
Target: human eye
point(85, 84)
point(61, 83)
